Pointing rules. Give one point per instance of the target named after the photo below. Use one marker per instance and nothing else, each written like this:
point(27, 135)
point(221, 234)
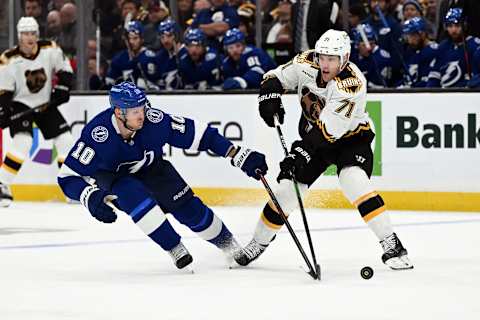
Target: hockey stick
point(313, 273)
point(299, 198)
point(25, 113)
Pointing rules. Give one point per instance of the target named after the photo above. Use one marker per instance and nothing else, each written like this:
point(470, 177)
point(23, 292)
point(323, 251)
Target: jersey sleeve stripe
point(200, 129)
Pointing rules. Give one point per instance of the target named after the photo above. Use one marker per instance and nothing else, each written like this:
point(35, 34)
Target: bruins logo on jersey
point(348, 81)
point(35, 79)
point(312, 105)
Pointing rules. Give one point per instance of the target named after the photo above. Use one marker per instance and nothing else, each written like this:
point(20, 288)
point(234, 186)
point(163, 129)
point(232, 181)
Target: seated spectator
point(185, 13)
point(452, 67)
point(375, 62)
point(246, 14)
point(214, 22)
point(68, 37)
point(157, 12)
point(282, 16)
point(244, 66)
point(420, 53)
point(129, 10)
point(200, 66)
point(168, 56)
point(54, 25)
point(33, 8)
point(135, 64)
point(412, 9)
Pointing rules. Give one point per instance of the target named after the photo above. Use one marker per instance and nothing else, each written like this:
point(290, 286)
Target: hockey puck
point(366, 273)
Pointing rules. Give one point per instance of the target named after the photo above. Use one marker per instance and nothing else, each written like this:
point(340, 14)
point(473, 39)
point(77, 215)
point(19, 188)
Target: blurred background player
point(335, 129)
point(122, 150)
point(33, 75)
point(373, 61)
point(200, 65)
point(244, 65)
point(134, 63)
point(168, 55)
point(419, 54)
point(453, 66)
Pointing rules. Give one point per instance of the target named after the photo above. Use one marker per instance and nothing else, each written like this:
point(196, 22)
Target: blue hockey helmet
point(126, 95)
point(414, 25)
point(195, 36)
point(453, 16)
point(135, 27)
point(168, 27)
point(369, 33)
point(232, 36)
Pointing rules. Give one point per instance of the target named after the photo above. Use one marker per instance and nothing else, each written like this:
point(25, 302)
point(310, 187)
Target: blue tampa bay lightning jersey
point(377, 67)
point(475, 81)
point(123, 68)
point(450, 67)
point(168, 77)
point(102, 148)
point(419, 63)
point(249, 70)
point(202, 75)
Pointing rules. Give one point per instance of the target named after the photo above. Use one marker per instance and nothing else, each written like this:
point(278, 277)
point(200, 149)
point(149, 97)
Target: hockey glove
point(4, 117)
point(270, 101)
point(94, 200)
point(295, 162)
point(60, 95)
point(250, 162)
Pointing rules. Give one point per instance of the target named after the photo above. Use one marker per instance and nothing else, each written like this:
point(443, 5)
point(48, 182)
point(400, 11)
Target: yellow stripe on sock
point(364, 198)
point(13, 158)
point(268, 223)
point(374, 213)
point(9, 169)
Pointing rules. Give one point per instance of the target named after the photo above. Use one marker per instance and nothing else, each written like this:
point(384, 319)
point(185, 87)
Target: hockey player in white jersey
point(335, 129)
point(27, 95)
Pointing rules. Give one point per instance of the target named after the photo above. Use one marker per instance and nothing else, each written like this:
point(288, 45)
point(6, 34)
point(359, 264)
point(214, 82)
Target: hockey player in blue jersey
point(245, 65)
point(420, 53)
point(127, 63)
point(452, 68)
point(199, 65)
point(168, 55)
point(117, 161)
point(375, 62)
point(475, 81)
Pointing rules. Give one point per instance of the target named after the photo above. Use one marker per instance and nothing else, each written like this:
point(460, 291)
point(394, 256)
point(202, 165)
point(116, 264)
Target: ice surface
point(56, 262)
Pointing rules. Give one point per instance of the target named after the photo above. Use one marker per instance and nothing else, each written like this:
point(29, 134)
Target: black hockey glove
point(60, 95)
point(295, 162)
point(5, 117)
point(270, 101)
point(251, 162)
point(5, 108)
point(95, 201)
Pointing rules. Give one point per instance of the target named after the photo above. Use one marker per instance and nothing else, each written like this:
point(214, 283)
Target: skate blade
point(399, 263)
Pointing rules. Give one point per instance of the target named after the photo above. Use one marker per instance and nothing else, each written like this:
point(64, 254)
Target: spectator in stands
point(374, 61)
point(214, 22)
point(419, 54)
point(412, 9)
point(200, 66)
point(54, 25)
point(57, 4)
point(355, 15)
point(157, 12)
point(246, 13)
point(185, 13)
point(67, 38)
point(245, 65)
point(168, 56)
point(282, 18)
point(431, 16)
point(453, 66)
point(33, 8)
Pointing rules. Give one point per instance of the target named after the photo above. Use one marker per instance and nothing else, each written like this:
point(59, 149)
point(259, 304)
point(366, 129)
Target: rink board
point(426, 150)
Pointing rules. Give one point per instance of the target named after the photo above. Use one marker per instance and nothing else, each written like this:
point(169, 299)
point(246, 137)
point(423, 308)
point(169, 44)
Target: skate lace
point(389, 243)
point(253, 249)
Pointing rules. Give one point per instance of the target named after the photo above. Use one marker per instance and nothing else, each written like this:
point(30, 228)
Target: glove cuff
point(240, 157)
point(85, 195)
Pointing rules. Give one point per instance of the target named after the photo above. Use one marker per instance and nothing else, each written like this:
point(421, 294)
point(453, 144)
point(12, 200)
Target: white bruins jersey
point(336, 107)
point(30, 78)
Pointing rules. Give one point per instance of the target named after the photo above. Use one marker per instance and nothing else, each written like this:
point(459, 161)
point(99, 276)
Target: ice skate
point(250, 253)
point(5, 195)
point(180, 256)
point(395, 255)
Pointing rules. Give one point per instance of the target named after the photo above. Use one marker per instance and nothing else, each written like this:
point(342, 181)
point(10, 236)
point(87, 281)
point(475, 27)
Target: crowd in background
point(396, 43)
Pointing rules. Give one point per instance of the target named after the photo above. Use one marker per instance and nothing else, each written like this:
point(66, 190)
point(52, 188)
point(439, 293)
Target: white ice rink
point(57, 262)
